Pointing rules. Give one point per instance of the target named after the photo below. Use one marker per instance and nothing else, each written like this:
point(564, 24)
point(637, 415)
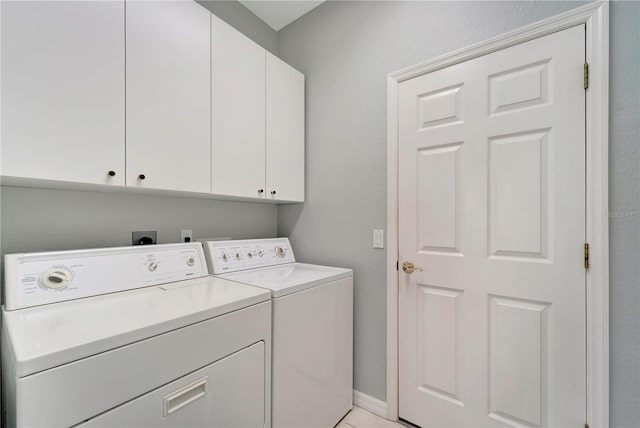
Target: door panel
point(439, 219)
point(285, 131)
point(518, 194)
point(492, 208)
point(518, 350)
point(63, 88)
point(238, 113)
point(440, 343)
point(168, 95)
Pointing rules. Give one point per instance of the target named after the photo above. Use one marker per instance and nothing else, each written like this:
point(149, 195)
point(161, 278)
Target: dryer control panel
point(233, 256)
point(41, 278)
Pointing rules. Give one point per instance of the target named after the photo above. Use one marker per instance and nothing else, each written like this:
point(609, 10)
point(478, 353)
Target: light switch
point(378, 238)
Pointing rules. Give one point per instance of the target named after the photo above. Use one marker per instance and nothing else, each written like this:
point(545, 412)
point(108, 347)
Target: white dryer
point(132, 336)
point(312, 376)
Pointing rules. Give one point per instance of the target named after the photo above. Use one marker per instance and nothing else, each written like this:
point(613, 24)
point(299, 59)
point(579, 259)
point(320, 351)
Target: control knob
point(280, 251)
point(152, 266)
point(191, 261)
point(56, 278)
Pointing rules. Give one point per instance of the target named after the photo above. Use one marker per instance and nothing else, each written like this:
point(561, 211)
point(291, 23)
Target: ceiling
point(280, 13)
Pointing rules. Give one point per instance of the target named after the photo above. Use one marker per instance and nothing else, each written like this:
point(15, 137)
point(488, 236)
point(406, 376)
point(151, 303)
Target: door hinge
point(586, 256)
point(586, 425)
point(397, 265)
point(586, 75)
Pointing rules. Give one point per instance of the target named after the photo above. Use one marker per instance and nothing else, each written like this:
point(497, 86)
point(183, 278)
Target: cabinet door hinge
point(586, 75)
point(586, 256)
point(397, 265)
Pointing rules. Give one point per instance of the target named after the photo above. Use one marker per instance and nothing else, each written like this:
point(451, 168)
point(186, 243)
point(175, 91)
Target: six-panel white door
point(168, 95)
point(492, 209)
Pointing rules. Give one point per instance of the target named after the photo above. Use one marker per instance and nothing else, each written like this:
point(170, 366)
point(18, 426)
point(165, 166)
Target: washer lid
point(48, 336)
point(289, 278)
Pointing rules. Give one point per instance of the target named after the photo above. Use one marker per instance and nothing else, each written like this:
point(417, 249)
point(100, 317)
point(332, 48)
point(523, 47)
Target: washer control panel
point(41, 278)
point(233, 256)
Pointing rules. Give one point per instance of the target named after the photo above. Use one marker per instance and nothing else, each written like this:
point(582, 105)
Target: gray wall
point(346, 49)
point(46, 219)
point(624, 219)
point(242, 19)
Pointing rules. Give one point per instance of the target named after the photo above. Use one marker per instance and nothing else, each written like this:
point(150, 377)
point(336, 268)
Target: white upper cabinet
point(146, 94)
point(63, 91)
point(285, 131)
point(168, 95)
point(238, 113)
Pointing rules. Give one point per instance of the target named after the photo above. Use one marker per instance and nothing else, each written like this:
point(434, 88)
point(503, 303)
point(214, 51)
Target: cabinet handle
point(141, 177)
point(112, 173)
point(273, 192)
point(261, 191)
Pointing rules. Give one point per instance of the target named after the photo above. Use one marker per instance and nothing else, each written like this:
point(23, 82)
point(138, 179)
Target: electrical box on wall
point(144, 237)
point(186, 235)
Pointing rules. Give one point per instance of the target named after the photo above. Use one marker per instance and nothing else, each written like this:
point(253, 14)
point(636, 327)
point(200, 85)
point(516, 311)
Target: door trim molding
point(596, 17)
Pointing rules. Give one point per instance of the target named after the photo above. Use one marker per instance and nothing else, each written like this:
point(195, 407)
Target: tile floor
point(360, 418)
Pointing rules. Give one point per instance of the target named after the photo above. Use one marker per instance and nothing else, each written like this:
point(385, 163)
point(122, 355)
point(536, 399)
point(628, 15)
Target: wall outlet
point(147, 237)
point(186, 235)
point(378, 238)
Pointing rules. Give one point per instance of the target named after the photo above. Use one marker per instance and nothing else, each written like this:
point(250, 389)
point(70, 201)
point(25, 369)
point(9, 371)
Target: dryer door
point(227, 393)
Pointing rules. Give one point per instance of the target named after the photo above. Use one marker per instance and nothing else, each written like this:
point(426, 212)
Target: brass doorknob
point(408, 267)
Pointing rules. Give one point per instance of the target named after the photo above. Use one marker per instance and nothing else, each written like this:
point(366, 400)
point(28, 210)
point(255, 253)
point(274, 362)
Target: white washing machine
point(132, 336)
point(312, 376)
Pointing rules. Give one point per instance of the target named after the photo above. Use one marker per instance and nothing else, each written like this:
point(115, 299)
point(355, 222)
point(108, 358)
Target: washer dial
point(280, 251)
point(56, 279)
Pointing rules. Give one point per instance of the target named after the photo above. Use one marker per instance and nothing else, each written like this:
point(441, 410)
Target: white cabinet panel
point(63, 90)
point(238, 113)
point(285, 131)
point(228, 393)
point(168, 95)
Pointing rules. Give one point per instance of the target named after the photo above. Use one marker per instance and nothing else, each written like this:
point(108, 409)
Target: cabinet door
point(228, 393)
point(63, 90)
point(285, 131)
point(168, 95)
point(238, 113)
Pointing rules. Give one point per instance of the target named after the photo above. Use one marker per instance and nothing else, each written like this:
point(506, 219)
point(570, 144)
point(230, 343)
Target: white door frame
point(596, 17)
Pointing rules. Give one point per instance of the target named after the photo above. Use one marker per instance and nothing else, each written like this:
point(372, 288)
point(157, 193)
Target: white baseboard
point(370, 404)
